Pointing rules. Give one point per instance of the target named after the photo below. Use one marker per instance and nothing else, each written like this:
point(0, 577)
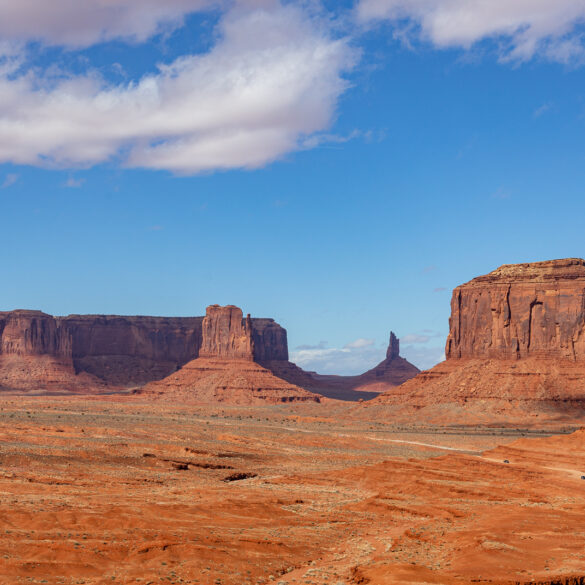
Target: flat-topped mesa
point(226, 334)
point(33, 333)
point(520, 311)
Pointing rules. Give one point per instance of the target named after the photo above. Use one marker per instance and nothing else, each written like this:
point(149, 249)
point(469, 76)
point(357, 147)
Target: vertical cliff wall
point(519, 311)
point(33, 333)
point(131, 351)
point(226, 334)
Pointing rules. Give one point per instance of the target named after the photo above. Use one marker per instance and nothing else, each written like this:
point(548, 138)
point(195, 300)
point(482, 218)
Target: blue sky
point(337, 166)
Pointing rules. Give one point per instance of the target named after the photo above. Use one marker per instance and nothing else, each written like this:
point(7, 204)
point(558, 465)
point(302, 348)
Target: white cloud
point(524, 28)
point(272, 80)
point(81, 23)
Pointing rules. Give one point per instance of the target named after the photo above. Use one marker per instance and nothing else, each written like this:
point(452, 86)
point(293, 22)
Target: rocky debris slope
point(389, 373)
point(226, 370)
point(515, 350)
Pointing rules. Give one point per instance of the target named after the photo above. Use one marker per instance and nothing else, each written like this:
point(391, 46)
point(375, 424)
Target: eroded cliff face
point(36, 355)
point(519, 311)
point(226, 334)
point(33, 333)
point(515, 351)
point(125, 351)
point(131, 351)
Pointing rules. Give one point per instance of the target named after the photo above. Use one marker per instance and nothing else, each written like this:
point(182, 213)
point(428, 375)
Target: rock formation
point(389, 373)
point(36, 355)
point(519, 311)
point(131, 351)
point(119, 351)
point(226, 334)
point(515, 350)
point(226, 370)
point(39, 352)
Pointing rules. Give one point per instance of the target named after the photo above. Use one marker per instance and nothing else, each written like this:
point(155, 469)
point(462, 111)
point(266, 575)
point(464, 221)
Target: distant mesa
point(515, 350)
point(43, 354)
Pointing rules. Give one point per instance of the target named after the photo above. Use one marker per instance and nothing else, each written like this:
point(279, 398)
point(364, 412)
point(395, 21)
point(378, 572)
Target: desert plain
point(119, 489)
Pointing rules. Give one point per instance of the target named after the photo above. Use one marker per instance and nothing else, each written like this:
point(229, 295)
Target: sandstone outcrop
point(515, 350)
point(519, 311)
point(36, 355)
point(120, 351)
point(226, 370)
point(131, 351)
point(226, 334)
point(92, 352)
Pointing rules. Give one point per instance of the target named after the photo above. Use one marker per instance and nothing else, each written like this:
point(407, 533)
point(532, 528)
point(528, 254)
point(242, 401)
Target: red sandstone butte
point(226, 370)
point(515, 350)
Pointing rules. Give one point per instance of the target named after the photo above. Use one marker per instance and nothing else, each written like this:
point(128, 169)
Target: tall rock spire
point(393, 347)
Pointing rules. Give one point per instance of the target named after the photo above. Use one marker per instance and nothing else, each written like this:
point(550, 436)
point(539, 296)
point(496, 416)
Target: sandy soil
point(109, 490)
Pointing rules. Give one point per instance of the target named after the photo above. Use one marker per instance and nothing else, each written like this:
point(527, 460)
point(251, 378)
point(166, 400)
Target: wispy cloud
point(73, 183)
point(359, 344)
point(522, 29)
point(320, 345)
point(9, 180)
point(542, 110)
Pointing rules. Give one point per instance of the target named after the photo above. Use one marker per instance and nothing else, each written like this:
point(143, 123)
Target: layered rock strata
point(119, 351)
point(515, 350)
point(36, 355)
point(519, 311)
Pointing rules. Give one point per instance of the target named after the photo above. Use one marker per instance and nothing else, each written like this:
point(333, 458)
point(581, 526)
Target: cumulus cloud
point(82, 23)
point(272, 79)
point(524, 28)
